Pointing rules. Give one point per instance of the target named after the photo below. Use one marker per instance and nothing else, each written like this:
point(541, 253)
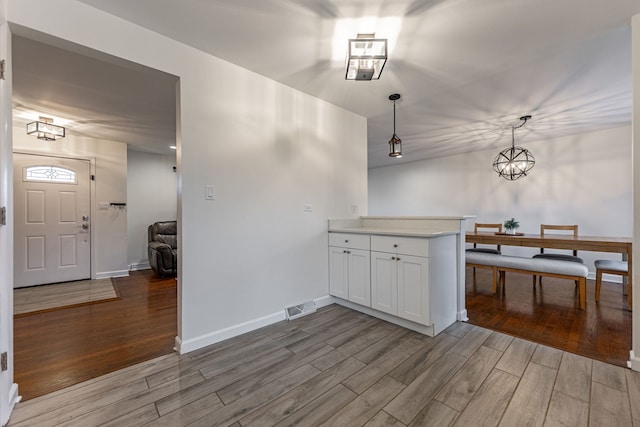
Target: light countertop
point(391, 231)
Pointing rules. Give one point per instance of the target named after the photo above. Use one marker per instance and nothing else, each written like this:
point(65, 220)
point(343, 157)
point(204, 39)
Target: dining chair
point(485, 227)
point(557, 256)
point(608, 266)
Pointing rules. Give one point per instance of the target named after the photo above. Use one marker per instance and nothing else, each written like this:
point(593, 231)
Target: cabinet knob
point(397, 258)
point(395, 245)
point(393, 258)
point(346, 241)
point(344, 251)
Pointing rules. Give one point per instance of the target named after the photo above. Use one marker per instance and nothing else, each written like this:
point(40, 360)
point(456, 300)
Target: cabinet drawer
point(354, 241)
point(401, 245)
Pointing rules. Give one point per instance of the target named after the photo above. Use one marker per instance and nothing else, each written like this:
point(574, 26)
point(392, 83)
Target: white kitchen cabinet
point(411, 282)
point(384, 282)
point(350, 268)
point(338, 272)
point(399, 280)
point(413, 289)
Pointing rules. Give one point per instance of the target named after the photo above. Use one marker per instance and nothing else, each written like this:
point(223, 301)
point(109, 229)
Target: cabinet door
point(359, 277)
point(413, 289)
point(384, 282)
point(338, 272)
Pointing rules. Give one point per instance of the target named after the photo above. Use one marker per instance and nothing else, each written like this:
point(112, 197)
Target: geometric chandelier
point(45, 129)
point(514, 162)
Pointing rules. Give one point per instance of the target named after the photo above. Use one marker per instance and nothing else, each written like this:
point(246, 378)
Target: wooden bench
point(538, 266)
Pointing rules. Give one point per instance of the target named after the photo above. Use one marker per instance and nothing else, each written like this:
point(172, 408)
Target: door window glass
point(50, 174)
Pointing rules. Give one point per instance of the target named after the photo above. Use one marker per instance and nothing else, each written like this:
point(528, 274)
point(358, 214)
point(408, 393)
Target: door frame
point(92, 191)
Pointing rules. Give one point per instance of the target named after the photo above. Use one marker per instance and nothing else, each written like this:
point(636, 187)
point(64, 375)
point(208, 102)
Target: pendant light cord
point(513, 128)
point(394, 117)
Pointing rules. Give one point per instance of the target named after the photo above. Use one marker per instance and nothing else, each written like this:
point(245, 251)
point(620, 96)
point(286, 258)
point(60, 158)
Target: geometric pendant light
point(45, 129)
point(395, 143)
point(366, 57)
point(514, 162)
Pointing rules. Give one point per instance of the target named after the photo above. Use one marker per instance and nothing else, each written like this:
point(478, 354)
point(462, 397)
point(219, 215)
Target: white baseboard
point(139, 266)
point(186, 346)
point(324, 301)
point(634, 361)
point(14, 398)
point(461, 316)
point(107, 274)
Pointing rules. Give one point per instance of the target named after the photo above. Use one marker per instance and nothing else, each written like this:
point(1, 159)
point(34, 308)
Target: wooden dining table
point(621, 245)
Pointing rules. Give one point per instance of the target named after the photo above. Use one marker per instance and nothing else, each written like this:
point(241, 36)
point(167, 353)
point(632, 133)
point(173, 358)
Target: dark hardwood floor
point(550, 315)
point(59, 348)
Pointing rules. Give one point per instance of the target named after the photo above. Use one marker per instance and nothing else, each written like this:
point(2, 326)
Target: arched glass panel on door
point(50, 174)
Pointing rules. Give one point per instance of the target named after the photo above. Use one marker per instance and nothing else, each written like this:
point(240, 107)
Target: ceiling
point(93, 95)
point(466, 69)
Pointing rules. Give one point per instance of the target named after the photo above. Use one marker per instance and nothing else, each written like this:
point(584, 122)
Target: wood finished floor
point(59, 348)
point(338, 367)
point(549, 314)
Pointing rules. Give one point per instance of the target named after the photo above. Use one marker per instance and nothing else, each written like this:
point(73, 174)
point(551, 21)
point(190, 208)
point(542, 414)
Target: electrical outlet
point(354, 209)
point(308, 207)
point(103, 206)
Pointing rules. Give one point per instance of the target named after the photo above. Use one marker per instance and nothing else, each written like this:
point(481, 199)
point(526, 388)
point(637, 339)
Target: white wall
point(152, 195)
point(583, 179)
point(109, 226)
point(267, 148)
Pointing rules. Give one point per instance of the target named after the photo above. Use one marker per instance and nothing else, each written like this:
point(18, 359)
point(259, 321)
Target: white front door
point(51, 220)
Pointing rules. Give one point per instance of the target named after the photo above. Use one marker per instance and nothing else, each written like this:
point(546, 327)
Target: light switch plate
point(308, 207)
point(209, 192)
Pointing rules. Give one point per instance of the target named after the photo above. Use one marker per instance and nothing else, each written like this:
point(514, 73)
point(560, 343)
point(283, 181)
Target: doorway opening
point(120, 118)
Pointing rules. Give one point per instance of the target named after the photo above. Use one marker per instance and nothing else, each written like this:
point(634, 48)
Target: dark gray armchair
point(163, 246)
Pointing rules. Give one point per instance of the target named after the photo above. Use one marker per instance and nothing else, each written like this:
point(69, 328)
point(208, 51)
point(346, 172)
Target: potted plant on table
point(511, 225)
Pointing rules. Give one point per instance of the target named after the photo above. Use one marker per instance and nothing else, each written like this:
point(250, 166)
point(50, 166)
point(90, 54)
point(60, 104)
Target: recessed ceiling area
point(466, 70)
point(93, 95)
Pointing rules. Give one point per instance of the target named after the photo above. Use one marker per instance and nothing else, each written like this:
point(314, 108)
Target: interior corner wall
point(109, 226)
point(266, 148)
point(583, 179)
point(152, 195)
point(634, 358)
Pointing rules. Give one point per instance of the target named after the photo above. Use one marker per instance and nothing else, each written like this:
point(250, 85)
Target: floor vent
point(300, 310)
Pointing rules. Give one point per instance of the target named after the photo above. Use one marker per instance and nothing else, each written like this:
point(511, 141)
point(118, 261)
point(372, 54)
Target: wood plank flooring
point(56, 349)
point(34, 299)
point(338, 367)
point(550, 315)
